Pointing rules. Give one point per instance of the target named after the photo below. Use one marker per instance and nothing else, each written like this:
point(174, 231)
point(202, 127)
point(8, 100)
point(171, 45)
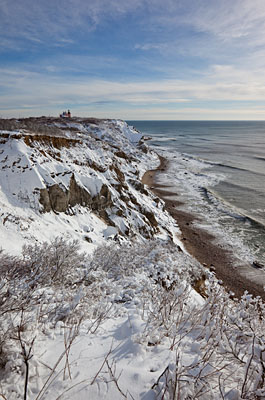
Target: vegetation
point(219, 344)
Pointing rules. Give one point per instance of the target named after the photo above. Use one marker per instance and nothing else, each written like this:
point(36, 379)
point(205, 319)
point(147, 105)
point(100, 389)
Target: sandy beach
point(202, 245)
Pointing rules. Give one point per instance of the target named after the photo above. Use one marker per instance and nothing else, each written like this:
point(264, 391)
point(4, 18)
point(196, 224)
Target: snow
point(25, 170)
point(121, 334)
point(110, 232)
point(121, 320)
point(115, 330)
point(134, 362)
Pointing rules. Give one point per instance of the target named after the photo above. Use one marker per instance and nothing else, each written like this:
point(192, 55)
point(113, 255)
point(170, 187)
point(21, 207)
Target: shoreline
point(200, 243)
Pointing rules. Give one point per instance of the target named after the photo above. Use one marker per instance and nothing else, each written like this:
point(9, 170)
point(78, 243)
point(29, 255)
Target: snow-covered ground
point(97, 297)
point(105, 153)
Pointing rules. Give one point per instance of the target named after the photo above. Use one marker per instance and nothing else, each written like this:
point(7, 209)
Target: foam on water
point(218, 170)
point(194, 186)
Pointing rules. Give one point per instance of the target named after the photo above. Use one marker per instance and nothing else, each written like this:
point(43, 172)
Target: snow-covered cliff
point(80, 178)
point(121, 320)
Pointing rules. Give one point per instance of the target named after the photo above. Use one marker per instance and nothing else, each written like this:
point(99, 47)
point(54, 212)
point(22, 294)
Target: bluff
point(80, 178)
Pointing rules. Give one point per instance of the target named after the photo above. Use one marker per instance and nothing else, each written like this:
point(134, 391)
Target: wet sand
point(203, 246)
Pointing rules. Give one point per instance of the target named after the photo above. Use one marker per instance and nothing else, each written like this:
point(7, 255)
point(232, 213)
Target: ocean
point(218, 170)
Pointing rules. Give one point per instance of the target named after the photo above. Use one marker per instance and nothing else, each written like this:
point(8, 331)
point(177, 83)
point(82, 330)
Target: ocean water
point(218, 170)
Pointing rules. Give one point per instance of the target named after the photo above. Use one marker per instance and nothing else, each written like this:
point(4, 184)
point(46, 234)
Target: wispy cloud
point(209, 29)
point(38, 92)
point(228, 20)
point(35, 20)
point(231, 20)
point(138, 55)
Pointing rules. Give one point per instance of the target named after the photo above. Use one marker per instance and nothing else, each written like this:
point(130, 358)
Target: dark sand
point(202, 245)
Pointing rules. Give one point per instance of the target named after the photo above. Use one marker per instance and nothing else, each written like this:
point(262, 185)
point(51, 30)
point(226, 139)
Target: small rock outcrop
point(59, 199)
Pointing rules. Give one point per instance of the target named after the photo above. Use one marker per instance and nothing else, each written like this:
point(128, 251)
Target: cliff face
point(54, 198)
point(77, 178)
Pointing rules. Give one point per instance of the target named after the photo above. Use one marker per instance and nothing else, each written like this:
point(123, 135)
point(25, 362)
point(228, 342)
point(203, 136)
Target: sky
point(133, 59)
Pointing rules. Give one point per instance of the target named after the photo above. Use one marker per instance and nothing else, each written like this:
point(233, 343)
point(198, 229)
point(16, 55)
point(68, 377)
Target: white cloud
point(230, 35)
point(146, 113)
point(232, 31)
point(27, 93)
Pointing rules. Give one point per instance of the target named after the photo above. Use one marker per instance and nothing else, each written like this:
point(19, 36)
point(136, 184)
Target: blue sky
point(140, 59)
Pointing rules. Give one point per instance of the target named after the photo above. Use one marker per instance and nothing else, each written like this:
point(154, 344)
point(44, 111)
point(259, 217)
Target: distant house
point(65, 114)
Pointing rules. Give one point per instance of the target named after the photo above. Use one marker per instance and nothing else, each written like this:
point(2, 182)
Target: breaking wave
point(229, 209)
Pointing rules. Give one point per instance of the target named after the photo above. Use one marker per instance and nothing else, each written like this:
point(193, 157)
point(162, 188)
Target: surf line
point(199, 243)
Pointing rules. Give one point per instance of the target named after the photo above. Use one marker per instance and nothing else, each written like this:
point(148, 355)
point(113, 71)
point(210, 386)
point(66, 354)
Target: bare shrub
point(228, 357)
point(58, 262)
point(8, 124)
point(22, 286)
point(216, 346)
point(33, 125)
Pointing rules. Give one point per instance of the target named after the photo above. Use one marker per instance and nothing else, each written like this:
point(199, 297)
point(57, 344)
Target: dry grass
point(40, 130)
point(34, 125)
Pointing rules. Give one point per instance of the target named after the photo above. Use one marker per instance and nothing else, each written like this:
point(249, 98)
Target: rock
point(257, 264)
point(61, 199)
point(104, 198)
point(212, 268)
point(58, 198)
point(151, 218)
point(88, 239)
point(138, 186)
point(45, 200)
point(121, 154)
point(119, 173)
point(78, 194)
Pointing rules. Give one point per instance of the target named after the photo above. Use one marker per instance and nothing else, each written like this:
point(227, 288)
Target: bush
point(217, 344)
